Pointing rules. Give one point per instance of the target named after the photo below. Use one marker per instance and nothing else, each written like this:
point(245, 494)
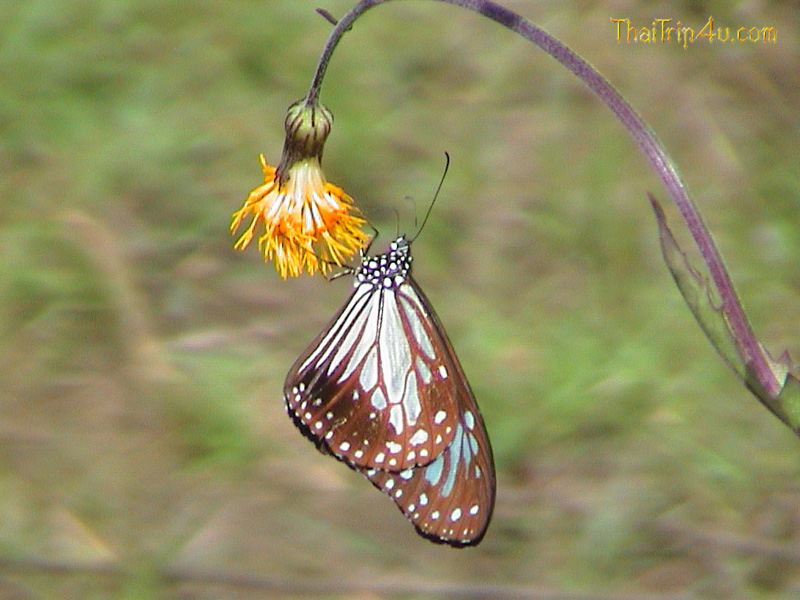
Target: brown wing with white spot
point(450, 500)
point(375, 387)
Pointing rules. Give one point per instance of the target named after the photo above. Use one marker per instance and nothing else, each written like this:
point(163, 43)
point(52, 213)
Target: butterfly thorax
point(387, 270)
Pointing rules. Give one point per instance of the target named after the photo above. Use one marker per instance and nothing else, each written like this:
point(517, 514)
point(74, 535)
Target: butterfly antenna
point(435, 196)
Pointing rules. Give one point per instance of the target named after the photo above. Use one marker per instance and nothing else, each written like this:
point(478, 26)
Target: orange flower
point(309, 223)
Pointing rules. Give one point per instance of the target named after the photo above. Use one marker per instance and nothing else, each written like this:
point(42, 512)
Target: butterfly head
point(389, 269)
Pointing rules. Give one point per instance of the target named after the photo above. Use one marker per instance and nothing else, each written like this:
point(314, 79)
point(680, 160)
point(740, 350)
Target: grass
point(144, 448)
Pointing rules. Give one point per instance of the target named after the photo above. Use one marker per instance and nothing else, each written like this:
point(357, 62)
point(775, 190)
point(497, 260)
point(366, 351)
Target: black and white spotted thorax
point(387, 270)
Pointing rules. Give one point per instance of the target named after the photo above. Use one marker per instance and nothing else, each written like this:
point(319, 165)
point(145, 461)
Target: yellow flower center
point(307, 220)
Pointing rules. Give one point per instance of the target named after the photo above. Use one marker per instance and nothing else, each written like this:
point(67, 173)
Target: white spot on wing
point(395, 417)
point(358, 353)
point(394, 349)
point(469, 420)
point(473, 443)
point(419, 437)
point(393, 447)
point(378, 400)
point(354, 339)
point(411, 399)
point(417, 328)
point(424, 371)
point(368, 377)
point(439, 417)
point(433, 472)
point(371, 329)
point(455, 458)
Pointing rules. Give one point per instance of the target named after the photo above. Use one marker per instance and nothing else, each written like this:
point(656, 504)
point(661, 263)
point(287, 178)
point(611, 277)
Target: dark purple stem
point(664, 167)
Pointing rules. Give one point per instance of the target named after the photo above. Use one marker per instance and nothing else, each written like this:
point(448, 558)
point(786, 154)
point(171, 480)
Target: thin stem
point(342, 27)
point(644, 137)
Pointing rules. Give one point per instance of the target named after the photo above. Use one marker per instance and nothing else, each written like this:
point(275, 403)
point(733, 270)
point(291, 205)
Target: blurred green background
point(144, 448)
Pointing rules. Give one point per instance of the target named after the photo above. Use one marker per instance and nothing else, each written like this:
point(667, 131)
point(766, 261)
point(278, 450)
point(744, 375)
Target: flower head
point(309, 223)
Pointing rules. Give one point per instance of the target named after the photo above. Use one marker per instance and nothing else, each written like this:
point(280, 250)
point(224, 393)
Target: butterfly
point(381, 389)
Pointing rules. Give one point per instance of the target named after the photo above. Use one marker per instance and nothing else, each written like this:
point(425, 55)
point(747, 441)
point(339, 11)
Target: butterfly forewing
point(372, 389)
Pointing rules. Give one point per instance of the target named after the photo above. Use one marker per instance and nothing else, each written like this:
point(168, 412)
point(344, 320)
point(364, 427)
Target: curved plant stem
point(748, 346)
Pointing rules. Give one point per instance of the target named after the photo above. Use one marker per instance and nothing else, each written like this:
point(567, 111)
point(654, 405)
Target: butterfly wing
point(373, 388)
point(450, 500)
